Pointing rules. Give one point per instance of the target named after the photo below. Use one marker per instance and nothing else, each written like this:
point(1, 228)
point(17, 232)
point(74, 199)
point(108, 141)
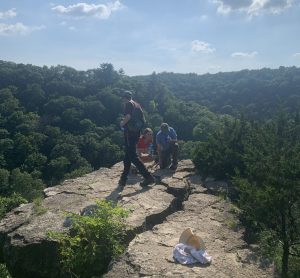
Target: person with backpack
point(132, 125)
point(167, 147)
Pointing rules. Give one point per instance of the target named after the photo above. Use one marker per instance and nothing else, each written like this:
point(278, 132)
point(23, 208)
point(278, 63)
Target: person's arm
point(143, 151)
point(172, 140)
point(125, 120)
point(127, 113)
point(173, 136)
point(144, 155)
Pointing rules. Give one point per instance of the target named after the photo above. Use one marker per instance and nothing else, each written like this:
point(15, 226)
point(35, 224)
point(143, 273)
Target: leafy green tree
point(68, 150)
point(4, 182)
point(206, 126)
point(270, 189)
point(52, 135)
point(29, 123)
point(222, 154)
point(6, 147)
point(4, 133)
point(23, 147)
point(80, 171)
point(34, 162)
point(106, 75)
point(24, 184)
point(8, 203)
point(113, 105)
point(57, 106)
point(56, 169)
point(33, 97)
point(86, 125)
point(108, 153)
point(187, 149)
point(94, 110)
point(2, 161)
point(14, 120)
point(70, 119)
point(154, 120)
point(66, 159)
point(89, 147)
point(8, 103)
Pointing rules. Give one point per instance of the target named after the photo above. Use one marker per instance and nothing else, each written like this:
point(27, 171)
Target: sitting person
point(167, 147)
point(144, 144)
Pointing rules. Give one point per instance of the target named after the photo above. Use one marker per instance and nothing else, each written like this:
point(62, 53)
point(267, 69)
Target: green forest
point(58, 123)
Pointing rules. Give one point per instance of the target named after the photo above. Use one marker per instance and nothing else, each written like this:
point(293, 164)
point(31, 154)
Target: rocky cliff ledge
point(159, 214)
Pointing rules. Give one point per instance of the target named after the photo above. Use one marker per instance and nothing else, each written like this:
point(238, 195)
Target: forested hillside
point(58, 123)
point(259, 93)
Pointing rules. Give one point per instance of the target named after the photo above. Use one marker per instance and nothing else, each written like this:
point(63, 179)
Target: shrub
point(94, 240)
point(8, 203)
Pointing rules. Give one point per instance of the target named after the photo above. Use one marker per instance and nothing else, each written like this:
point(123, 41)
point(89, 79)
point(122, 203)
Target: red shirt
point(142, 144)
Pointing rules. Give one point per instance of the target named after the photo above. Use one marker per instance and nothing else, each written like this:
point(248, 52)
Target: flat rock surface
point(150, 253)
point(158, 215)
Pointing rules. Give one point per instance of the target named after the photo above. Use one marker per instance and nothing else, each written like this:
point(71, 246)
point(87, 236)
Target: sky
point(143, 36)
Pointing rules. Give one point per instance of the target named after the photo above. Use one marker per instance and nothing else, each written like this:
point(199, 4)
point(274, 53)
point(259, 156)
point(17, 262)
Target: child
point(144, 145)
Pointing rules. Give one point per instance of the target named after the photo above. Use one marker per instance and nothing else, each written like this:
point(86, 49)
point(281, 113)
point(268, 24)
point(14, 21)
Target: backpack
point(137, 120)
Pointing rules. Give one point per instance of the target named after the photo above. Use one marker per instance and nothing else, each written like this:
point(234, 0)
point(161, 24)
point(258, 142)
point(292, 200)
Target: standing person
point(144, 145)
point(167, 147)
point(131, 136)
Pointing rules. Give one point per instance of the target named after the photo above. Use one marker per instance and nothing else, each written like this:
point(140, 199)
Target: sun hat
point(189, 238)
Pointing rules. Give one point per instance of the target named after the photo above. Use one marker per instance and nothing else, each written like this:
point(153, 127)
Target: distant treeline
point(259, 93)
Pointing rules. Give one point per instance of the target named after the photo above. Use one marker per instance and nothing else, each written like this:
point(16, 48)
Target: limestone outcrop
point(159, 213)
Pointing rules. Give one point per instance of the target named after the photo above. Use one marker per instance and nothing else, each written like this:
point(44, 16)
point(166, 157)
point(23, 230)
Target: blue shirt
point(163, 138)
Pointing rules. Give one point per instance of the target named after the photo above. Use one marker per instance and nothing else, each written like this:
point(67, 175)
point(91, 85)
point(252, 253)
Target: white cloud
point(244, 54)
point(256, 7)
point(8, 14)
point(296, 54)
point(200, 46)
point(80, 10)
point(17, 29)
point(227, 6)
point(253, 7)
point(278, 6)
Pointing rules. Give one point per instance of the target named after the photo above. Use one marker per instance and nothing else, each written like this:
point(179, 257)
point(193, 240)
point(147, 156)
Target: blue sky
point(142, 36)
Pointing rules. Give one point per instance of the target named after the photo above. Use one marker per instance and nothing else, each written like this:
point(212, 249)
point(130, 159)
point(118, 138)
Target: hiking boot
point(173, 167)
point(133, 170)
point(147, 181)
point(122, 182)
